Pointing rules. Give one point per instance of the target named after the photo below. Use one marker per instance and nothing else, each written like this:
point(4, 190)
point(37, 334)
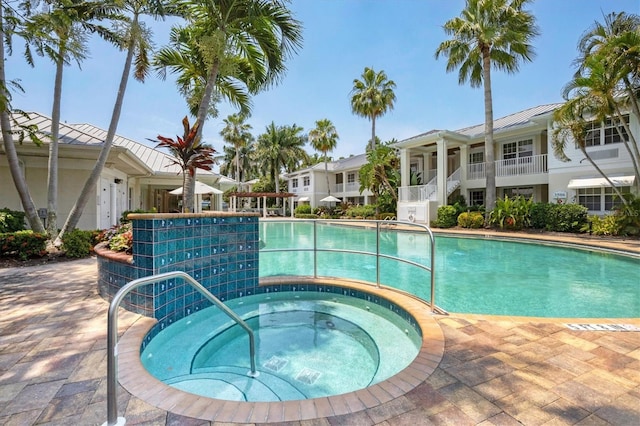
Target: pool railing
point(378, 225)
point(112, 334)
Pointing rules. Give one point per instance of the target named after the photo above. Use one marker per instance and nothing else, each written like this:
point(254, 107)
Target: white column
point(113, 206)
point(405, 168)
point(442, 172)
point(264, 206)
point(426, 167)
point(464, 163)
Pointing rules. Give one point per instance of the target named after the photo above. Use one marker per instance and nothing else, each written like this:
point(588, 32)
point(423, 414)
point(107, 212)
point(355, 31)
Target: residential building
point(452, 164)
point(135, 176)
point(310, 184)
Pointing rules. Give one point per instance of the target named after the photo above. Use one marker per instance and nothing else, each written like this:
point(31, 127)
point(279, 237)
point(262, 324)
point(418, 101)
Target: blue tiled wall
point(219, 252)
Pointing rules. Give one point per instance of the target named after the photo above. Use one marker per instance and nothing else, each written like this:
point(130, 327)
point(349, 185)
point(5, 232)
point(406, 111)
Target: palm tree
point(380, 175)
point(260, 34)
point(324, 138)
point(236, 132)
point(280, 147)
point(372, 97)
point(190, 154)
point(615, 43)
point(488, 33)
point(8, 27)
point(137, 37)
point(70, 22)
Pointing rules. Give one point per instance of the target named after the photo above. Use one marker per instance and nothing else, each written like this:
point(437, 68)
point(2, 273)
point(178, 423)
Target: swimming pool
point(473, 275)
point(310, 344)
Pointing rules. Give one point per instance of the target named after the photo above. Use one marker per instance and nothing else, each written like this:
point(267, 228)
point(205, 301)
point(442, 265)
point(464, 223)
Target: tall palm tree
point(616, 43)
point(280, 147)
point(324, 138)
point(488, 33)
point(137, 39)
point(236, 132)
point(372, 97)
point(70, 22)
point(262, 33)
point(190, 154)
point(9, 27)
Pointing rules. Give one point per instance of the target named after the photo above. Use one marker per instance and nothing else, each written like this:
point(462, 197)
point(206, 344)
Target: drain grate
point(308, 376)
point(603, 327)
point(275, 363)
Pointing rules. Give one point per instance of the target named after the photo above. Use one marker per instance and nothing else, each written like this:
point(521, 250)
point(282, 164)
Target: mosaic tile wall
point(219, 251)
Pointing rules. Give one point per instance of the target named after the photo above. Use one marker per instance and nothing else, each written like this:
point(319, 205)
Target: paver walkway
point(500, 370)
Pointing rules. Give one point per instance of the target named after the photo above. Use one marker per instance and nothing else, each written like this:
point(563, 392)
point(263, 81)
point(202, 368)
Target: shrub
point(447, 217)
point(23, 244)
point(118, 238)
point(607, 225)
point(78, 243)
point(11, 220)
point(123, 218)
point(473, 220)
point(539, 215)
point(361, 211)
point(628, 217)
point(303, 209)
point(306, 216)
point(511, 213)
point(566, 217)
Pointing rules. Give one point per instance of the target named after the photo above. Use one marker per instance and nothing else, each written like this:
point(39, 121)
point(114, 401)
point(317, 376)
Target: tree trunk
point(490, 165)
point(89, 187)
point(372, 144)
point(52, 192)
point(615, 189)
point(203, 108)
point(326, 173)
point(28, 205)
point(632, 141)
point(188, 190)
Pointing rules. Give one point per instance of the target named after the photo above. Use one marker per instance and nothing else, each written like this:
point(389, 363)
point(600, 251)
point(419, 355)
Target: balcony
point(348, 187)
point(533, 165)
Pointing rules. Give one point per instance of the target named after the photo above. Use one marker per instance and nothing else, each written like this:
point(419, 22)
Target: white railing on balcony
point(339, 187)
point(532, 165)
point(348, 187)
point(428, 191)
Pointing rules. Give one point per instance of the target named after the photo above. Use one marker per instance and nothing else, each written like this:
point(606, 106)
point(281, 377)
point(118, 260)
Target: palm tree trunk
point(599, 170)
point(372, 144)
point(205, 102)
point(632, 141)
point(237, 147)
point(52, 193)
point(28, 205)
point(90, 184)
point(326, 173)
point(490, 164)
point(188, 199)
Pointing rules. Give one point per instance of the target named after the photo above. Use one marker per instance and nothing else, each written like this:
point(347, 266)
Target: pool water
point(307, 346)
point(473, 275)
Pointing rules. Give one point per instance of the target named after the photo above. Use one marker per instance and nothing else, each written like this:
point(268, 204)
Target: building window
point(476, 157)
point(600, 199)
point(476, 197)
point(294, 183)
point(612, 131)
point(306, 180)
point(519, 149)
point(351, 177)
point(526, 192)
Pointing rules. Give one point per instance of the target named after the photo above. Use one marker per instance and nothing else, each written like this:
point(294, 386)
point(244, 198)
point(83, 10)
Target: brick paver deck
point(494, 370)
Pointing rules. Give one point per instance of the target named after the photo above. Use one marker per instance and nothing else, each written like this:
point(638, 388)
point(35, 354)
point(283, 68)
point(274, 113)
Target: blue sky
point(341, 37)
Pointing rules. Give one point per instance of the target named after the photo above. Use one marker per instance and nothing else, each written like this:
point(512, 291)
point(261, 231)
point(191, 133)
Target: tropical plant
point(372, 97)
point(488, 33)
point(190, 154)
point(324, 138)
point(447, 217)
point(236, 132)
point(380, 174)
point(70, 22)
point(280, 147)
point(136, 40)
point(512, 213)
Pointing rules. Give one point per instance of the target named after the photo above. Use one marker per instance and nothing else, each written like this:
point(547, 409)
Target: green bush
point(511, 213)
point(23, 244)
point(566, 217)
point(473, 220)
point(123, 218)
point(306, 216)
point(539, 215)
point(303, 209)
point(628, 217)
point(11, 220)
point(607, 225)
point(78, 244)
point(447, 217)
point(361, 211)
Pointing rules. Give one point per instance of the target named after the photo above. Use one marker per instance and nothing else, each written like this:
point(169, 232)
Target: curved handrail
point(377, 223)
point(112, 333)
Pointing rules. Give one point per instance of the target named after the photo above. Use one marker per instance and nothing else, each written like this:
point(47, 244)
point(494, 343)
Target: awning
point(303, 199)
point(601, 182)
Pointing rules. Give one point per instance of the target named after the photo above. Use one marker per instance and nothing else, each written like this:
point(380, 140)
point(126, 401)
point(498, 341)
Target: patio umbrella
point(201, 188)
point(331, 199)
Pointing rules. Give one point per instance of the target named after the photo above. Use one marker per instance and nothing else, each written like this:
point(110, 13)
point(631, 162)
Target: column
point(405, 167)
point(442, 172)
point(464, 163)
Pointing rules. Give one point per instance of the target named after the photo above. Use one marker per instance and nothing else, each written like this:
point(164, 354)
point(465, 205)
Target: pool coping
point(136, 380)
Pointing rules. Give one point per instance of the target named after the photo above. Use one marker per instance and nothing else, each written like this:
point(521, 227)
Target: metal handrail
point(112, 333)
point(376, 223)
